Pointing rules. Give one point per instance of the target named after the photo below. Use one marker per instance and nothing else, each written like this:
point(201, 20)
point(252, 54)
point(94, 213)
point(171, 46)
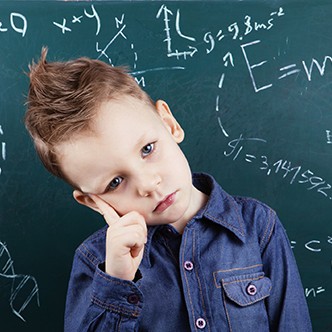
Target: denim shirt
point(232, 269)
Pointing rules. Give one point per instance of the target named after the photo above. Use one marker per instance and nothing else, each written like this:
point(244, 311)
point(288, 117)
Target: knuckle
point(137, 215)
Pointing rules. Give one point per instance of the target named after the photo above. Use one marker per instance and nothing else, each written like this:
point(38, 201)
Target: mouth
point(165, 203)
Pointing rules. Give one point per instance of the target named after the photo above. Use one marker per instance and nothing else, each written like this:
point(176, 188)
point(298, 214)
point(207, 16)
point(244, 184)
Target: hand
point(125, 239)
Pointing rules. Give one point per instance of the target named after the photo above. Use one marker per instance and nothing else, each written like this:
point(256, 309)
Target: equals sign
point(290, 72)
point(320, 290)
point(249, 158)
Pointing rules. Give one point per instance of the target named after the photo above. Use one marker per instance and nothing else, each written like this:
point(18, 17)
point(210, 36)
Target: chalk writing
point(120, 33)
point(321, 68)
point(92, 13)
point(236, 145)
point(105, 52)
point(328, 137)
point(3, 148)
point(236, 31)
point(313, 291)
point(17, 22)
point(315, 245)
point(23, 287)
point(285, 71)
point(191, 50)
point(311, 245)
point(295, 174)
point(252, 66)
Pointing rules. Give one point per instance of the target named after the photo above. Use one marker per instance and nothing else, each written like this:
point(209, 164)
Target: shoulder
point(92, 250)
point(259, 220)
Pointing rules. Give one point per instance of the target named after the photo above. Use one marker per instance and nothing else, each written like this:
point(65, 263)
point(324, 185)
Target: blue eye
point(115, 183)
point(147, 149)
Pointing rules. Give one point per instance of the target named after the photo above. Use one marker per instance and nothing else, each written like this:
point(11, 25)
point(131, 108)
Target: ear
point(86, 200)
point(169, 121)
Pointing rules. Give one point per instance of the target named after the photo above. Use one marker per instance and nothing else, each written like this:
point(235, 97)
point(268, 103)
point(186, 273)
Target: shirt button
point(251, 290)
point(188, 265)
point(200, 323)
point(133, 299)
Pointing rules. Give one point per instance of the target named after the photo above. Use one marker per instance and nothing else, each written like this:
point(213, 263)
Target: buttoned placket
point(192, 282)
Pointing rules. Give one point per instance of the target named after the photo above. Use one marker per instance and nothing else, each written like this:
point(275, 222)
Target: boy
point(206, 261)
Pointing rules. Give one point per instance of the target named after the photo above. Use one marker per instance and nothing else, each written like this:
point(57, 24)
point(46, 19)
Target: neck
point(198, 201)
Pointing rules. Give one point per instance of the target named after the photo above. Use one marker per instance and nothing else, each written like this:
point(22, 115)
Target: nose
point(147, 183)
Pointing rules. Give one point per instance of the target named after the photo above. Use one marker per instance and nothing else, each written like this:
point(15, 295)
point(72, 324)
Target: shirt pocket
point(243, 297)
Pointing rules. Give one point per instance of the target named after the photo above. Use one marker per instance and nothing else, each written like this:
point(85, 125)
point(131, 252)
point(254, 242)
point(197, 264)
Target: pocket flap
point(247, 289)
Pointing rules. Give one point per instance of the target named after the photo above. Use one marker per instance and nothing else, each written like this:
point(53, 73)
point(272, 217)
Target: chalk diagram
point(24, 288)
point(237, 147)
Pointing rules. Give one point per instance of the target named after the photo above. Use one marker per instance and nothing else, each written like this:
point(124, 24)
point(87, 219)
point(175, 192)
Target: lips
point(165, 203)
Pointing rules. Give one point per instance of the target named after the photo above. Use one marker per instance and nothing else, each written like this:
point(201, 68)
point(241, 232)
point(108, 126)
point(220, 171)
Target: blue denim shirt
point(232, 269)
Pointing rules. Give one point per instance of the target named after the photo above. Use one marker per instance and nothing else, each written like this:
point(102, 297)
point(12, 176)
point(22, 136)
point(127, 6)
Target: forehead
point(123, 113)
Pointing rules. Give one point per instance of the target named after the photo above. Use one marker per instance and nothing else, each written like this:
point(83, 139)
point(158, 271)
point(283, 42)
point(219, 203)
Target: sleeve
point(98, 302)
point(287, 307)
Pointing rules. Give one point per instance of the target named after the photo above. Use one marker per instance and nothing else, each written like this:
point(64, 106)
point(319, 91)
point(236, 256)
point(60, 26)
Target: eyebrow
point(139, 144)
point(94, 192)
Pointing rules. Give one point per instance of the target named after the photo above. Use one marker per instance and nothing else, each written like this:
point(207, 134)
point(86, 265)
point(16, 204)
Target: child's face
point(133, 162)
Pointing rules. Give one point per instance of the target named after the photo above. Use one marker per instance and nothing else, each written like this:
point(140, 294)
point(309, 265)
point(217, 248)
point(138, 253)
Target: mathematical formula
point(180, 42)
point(314, 245)
point(236, 30)
point(289, 171)
point(284, 71)
point(68, 24)
point(314, 291)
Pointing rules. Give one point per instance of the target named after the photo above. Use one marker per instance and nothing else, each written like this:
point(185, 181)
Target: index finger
point(108, 212)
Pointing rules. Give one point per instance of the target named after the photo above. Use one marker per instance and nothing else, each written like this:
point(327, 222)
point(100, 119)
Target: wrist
point(128, 276)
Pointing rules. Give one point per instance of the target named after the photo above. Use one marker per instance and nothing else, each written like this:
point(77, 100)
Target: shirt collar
point(221, 209)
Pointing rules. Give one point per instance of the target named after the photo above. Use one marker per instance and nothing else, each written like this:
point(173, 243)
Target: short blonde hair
point(63, 98)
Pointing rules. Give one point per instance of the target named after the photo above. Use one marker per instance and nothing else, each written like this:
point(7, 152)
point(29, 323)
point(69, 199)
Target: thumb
point(110, 215)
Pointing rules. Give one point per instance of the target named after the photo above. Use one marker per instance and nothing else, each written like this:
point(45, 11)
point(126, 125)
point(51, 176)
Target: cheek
point(121, 203)
point(114, 202)
point(181, 162)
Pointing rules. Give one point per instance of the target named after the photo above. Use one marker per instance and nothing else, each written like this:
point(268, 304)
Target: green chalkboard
point(250, 82)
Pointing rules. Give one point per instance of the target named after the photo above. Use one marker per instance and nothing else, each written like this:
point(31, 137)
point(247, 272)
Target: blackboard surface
point(250, 82)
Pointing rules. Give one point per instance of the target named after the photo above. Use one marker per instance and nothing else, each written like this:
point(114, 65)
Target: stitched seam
point(235, 207)
point(185, 276)
point(200, 286)
point(247, 303)
point(109, 306)
point(119, 325)
point(239, 268)
point(250, 302)
point(225, 222)
point(227, 315)
point(266, 230)
point(88, 255)
point(271, 230)
point(242, 280)
point(235, 269)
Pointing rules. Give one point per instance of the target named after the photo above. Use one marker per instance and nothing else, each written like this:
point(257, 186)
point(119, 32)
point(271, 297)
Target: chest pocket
point(243, 297)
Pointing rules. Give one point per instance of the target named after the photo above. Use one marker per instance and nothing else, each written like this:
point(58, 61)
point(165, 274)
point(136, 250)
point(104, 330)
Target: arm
point(286, 306)
point(97, 301)
point(103, 297)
